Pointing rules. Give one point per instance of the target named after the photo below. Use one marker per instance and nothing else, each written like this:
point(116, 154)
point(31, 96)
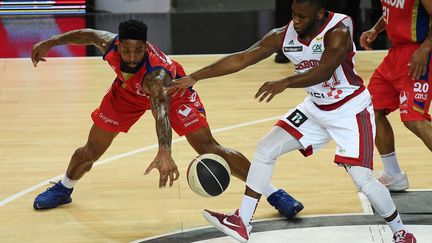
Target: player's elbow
point(326, 74)
point(327, 71)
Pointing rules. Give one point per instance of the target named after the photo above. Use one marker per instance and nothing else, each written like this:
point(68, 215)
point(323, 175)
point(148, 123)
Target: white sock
point(247, 209)
point(270, 189)
point(391, 164)
point(68, 183)
point(396, 224)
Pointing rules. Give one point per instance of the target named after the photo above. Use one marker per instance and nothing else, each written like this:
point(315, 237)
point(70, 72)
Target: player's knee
point(264, 152)
point(362, 178)
point(413, 126)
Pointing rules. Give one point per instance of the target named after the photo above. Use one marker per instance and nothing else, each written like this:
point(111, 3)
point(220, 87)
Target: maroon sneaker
point(403, 237)
point(230, 224)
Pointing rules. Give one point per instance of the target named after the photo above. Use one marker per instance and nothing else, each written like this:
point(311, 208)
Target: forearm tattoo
point(161, 107)
point(163, 126)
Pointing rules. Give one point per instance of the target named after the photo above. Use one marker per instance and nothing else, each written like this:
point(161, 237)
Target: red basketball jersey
point(406, 21)
point(153, 60)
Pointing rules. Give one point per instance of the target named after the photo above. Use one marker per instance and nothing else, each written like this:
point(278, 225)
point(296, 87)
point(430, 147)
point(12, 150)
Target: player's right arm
point(98, 38)
point(235, 62)
point(369, 36)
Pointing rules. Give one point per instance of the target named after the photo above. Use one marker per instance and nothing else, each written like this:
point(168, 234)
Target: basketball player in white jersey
point(319, 44)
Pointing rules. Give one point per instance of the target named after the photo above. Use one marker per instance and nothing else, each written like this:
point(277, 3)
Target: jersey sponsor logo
point(297, 118)
point(421, 96)
point(193, 96)
point(291, 42)
point(395, 3)
point(317, 49)
point(185, 112)
point(187, 115)
point(403, 100)
point(306, 64)
point(335, 93)
point(316, 95)
point(108, 120)
point(403, 97)
point(293, 48)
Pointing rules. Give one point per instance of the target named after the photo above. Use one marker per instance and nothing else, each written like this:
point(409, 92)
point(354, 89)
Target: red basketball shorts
point(392, 88)
point(120, 109)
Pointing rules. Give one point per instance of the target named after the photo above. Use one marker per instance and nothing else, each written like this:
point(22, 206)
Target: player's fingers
point(424, 69)
point(410, 69)
point(261, 90)
point(171, 180)
point(176, 174)
point(183, 92)
point(151, 167)
point(270, 97)
point(419, 72)
point(416, 73)
point(264, 95)
point(163, 180)
point(258, 93)
point(35, 59)
point(363, 40)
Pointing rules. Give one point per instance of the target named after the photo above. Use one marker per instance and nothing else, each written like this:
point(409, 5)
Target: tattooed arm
point(156, 83)
point(98, 38)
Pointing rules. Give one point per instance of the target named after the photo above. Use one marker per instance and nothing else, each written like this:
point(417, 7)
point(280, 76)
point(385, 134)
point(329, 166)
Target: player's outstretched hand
point(179, 86)
point(270, 89)
point(39, 51)
point(417, 65)
point(367, 38)
point(166, 166)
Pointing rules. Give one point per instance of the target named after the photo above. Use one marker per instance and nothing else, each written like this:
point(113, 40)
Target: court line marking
point(123, 155)
point(254, 221)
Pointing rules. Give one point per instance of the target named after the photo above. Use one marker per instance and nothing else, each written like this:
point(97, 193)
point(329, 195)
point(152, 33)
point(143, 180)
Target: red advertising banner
point(18, 35)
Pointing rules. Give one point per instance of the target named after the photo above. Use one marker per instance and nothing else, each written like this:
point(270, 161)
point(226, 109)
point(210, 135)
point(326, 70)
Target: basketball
point(208, 175)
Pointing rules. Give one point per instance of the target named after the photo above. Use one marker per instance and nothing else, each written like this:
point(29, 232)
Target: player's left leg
point(379, 197)
point(354, 135)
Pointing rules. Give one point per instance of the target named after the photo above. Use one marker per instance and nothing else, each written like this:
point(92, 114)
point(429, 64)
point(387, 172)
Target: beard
point(124, 66)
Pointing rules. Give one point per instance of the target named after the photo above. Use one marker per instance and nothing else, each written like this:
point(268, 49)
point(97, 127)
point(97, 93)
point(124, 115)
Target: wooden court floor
point(45, 116)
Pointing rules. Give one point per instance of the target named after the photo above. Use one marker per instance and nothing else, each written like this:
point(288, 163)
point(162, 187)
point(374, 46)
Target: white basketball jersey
point(305, 56)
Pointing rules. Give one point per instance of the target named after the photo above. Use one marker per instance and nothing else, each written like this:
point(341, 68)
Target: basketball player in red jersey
point(402, 80)
point(338, 106)
point(143, 73)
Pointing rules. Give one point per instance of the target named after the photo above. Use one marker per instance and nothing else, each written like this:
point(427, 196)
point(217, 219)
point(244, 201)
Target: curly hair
point(133, 30)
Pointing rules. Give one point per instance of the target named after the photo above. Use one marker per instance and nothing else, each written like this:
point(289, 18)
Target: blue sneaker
point(53, 197)
point(285, 204)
